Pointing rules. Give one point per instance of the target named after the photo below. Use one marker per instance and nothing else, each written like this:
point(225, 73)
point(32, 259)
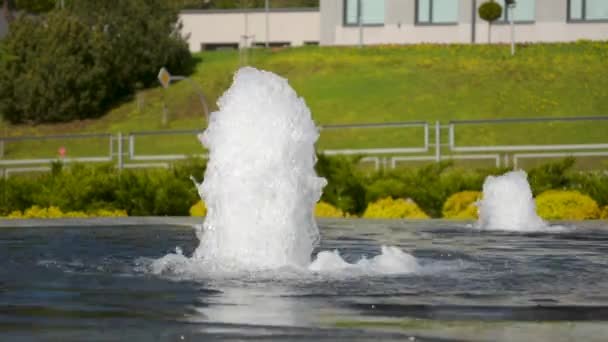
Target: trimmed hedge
point(54, 212)
point(394, 208)
point(604, 213)
point(438, 190)
point(323, 209)
point(461, 205)
point(566, 205)
point(199, 209)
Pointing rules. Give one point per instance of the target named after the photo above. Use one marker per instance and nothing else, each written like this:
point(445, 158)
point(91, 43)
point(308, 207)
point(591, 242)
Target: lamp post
point(511, 7)
point(267, 23)
point(165, 78)
point(360, 17)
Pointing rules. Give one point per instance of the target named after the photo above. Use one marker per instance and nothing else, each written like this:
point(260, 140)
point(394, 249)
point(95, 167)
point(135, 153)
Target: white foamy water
point(260, 187)
point(507, 204)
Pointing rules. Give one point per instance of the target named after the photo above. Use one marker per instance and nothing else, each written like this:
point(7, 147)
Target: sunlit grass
point(344, 85)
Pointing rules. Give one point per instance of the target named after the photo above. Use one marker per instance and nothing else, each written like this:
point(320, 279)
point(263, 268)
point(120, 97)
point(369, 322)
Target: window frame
point(430, 22)
point(347, 24)
point(583, 15)
point(506, 19)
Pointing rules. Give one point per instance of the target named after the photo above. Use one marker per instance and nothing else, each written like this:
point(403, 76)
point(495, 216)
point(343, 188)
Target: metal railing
point(429, 143)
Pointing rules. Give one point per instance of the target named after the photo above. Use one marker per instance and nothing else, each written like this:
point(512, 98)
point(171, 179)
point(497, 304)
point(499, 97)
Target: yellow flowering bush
point(323, 209)
point(604, 213)
point(566, 205)
point(55, 212)
point(461, 205)
point(199, 209)
point(394, 208)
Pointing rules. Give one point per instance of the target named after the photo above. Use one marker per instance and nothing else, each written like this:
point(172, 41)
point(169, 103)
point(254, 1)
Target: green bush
point(80, 188)
point(604, 213)
point(344, 188)
point(391, 208)
point(566, 205)
point(87, 188)
point(461, 205)
point(428, 186)
point(551, 176)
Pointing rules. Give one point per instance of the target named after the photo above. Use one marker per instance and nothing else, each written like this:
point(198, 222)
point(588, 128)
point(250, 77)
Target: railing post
point(437, 141)
point(131, 145)
point(120, 161)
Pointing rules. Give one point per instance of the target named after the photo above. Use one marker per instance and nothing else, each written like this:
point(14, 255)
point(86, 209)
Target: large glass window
point(524, 11)
point(587, 10)
point(371, 11)
point(437, 11)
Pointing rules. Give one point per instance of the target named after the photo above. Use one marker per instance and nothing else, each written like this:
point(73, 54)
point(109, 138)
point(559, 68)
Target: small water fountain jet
point(261, 187)
point(507, 204)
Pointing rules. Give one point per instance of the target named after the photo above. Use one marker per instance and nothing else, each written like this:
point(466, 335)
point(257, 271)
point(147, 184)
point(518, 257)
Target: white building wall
point(295, 27)
point(544, 32)
point(550, 25)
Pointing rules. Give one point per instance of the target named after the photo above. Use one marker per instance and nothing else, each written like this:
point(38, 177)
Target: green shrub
point(391, 208)
point(323, 209)
point(566, 205)
point(55, 212)
point(198, 209)
point(461, 205)
point(344, 188)
point(551, 176)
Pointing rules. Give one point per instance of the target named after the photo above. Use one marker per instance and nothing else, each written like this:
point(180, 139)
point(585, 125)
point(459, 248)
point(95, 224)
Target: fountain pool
point(260, 267)
point(89, 280)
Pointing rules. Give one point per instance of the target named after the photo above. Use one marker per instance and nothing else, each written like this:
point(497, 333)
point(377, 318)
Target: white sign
point(164, 77)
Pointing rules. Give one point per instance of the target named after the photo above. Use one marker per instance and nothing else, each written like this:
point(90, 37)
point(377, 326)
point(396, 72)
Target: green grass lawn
point(344, 85)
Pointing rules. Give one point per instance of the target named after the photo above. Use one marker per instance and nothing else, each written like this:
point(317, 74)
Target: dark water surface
point(91, 283)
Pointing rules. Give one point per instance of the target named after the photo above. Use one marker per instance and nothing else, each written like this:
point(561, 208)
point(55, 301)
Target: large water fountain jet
point(507, 204)
point(260, 186)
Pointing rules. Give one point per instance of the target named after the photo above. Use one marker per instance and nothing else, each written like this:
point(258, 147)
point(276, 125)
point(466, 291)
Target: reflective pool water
point(75, 280)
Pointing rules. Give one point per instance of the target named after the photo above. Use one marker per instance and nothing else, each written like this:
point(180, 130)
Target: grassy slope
point(390, 83)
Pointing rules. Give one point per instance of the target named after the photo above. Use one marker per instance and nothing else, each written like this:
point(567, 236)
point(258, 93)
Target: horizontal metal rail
point(56, 137)
point(495, 157)
point(515, 148)
point(380, 157)
point(526, 120)
point(518, 156)
point(53, 160)
point(376, 125)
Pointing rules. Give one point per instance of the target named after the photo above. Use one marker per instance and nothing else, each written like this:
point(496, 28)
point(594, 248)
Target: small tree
point(490, 11)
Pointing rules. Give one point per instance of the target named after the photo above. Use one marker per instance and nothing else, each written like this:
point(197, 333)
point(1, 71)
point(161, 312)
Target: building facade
point(457, 21)
point(226, 29)
point(336, 22)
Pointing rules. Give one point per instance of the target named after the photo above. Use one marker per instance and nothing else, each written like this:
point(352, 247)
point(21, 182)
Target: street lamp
point(360, 18)
point(511, 6)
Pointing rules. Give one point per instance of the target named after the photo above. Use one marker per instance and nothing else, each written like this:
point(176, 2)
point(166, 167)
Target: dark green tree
point(52, 72)
point(75, 63)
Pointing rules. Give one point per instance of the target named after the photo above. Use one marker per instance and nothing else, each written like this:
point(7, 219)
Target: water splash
point(508, 204)
point(260, 187)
